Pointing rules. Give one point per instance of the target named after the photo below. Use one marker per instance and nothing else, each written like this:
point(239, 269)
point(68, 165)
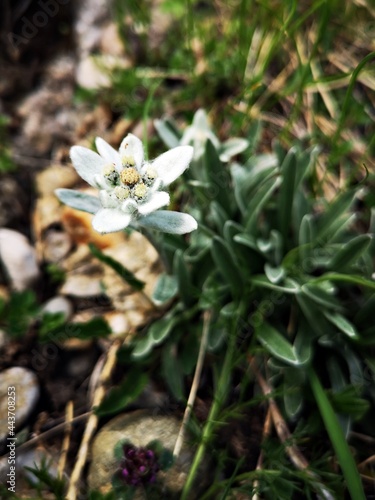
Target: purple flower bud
point(139, 466)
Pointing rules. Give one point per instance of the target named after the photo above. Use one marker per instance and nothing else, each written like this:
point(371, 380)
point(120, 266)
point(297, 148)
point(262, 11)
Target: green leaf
point(181, 272)
point(232, 147)
point(121, 396)
point(78, 200)
point(165, 289)
point(305, 239)
point(289, 285)
point(286, 193)
point(160, 329)
point(350, 252)
point(341, 323)
point(303, 343)
point(254, 134)
point(327, 224)
point(315, 319)
point(124, 273)
point(226, 265)
point(168, 132)
point(218, 215)
point(276, 344)
point(247, 179)
point(259, 200)
point(213, 292)
point(142, 347)
point(93, 329)
point(51, 322)
point(343, 452)
point(320, 296)
point(348, 402)
point(188, 350)
point(247, 240)
point(171, 369)
point(345, 278)
point(293, 393)
point(19, 312)
point(274, 274)
point(218, 177)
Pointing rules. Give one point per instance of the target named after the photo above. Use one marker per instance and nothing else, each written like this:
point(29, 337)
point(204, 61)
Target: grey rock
point(140, 428)
point(59, 305)
point(18, 258)
point(24, 384)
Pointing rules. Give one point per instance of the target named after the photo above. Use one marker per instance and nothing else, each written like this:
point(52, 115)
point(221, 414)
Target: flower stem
point(220, 395)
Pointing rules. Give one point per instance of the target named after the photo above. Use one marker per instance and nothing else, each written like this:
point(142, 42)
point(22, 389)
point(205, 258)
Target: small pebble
point(18, 258)
point(59, 305)
point(18, 385)
point(140, 428)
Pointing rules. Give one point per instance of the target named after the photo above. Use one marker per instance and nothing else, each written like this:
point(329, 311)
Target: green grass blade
point(337, 438)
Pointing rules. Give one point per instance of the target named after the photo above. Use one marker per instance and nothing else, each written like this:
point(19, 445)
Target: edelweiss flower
point(200, 131)
point(130, 188)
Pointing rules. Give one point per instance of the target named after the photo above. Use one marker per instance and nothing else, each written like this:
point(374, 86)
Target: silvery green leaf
point(277, 344)
point(232, 147)
point(341, 323)
point(169, 222)
point(78, 200)
point(167, 132)
point(165, 289)
point(274, 274)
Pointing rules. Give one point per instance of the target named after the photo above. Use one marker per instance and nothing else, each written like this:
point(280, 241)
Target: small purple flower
point(139, 466)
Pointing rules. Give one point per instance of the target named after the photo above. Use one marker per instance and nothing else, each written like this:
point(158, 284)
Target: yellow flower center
point(129, 176)
point(121, 192)
point(140, 190)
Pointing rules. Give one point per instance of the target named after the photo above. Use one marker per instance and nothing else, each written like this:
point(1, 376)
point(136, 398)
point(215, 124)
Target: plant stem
point(220, 395)
point(194, 385)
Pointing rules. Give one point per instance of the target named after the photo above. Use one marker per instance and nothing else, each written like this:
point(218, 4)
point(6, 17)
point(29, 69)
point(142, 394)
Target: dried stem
point(266, 432)
point(66, 441)
point(293, 452)
point(195, 384)
point(93, 419)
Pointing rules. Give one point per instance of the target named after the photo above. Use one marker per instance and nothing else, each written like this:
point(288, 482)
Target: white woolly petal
point(157, 200)
point(132, 146)
point(87, 163)
point(109, 220)
point(100, 182)
point(78, 200)
point(169, 222)
point(156, 185)
point(107, 200)
point(107, 151)
point(129, 206)
point(173, 163)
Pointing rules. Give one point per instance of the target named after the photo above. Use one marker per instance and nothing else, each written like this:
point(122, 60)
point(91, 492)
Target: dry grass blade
point(69, 411)
point(93, 420)
point(294, 453)
point(194, 385)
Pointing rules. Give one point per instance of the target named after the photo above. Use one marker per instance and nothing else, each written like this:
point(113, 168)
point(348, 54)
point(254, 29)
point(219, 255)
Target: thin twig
point(266, 432)
point(293, 452)
point(66, 441)
point(195, 383)
point(93, 419)
point(51, 432)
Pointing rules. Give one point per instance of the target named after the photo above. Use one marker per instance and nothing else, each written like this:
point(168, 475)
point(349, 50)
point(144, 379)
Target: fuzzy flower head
point(131, 190)
point(139, 466)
